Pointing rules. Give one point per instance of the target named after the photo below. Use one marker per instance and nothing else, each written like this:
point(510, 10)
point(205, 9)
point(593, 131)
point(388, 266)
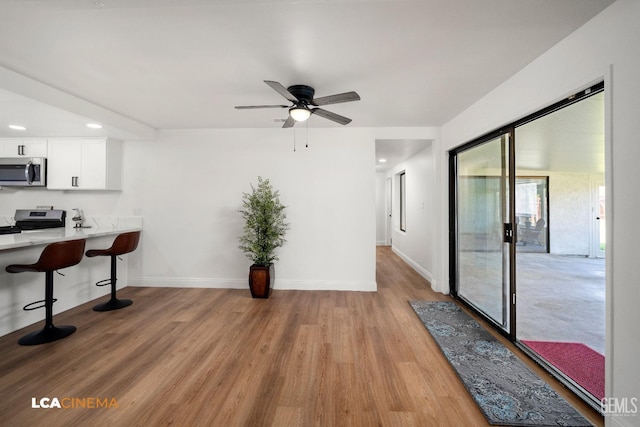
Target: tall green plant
point(265, 225)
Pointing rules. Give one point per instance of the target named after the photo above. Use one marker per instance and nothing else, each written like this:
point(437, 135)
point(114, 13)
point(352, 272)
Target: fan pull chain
point(294, 140)
point(307, 135)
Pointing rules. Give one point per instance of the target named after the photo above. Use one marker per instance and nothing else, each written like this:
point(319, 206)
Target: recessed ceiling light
point(382, 160)
point(94, 126)
point(17, 127)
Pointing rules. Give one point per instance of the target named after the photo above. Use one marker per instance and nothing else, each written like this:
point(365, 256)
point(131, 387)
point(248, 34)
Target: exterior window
point(403, 201)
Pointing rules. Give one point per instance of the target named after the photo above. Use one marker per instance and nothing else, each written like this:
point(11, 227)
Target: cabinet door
point(63, 164)
point(8, 148)
point(29, 147)
point(34, 148)
point(84, 164)
point(93, 168)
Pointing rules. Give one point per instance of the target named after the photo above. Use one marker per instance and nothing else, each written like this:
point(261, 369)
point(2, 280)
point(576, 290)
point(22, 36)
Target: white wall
point(570, 214)
point(93, 203)
point(605, 48)
point(188, 187)
point(415, 245)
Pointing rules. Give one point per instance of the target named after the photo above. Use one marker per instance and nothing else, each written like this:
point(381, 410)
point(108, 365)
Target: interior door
point(483, 231)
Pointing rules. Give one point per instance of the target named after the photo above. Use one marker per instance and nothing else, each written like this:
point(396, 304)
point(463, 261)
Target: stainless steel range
point(36, 219)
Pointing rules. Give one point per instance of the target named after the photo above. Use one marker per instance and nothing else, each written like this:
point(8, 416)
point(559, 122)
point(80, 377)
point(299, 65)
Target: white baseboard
point(188, 282)
point(223, 283)
point(417, 267)
point(326, 285)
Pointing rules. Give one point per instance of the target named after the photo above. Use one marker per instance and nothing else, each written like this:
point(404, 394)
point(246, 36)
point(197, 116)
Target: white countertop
point(50, 235)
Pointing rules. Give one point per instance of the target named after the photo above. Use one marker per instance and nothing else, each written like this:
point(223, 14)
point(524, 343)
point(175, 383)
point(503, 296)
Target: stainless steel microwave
point(23, 171)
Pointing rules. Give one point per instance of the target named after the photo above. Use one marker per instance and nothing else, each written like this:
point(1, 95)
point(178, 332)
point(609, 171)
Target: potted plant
point(264, 231)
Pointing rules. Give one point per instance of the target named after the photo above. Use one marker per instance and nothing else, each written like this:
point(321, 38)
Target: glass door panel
point(561, 289)
point(482, 277)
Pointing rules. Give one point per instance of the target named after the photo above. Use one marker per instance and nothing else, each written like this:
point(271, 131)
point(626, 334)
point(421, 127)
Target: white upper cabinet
point(84, 164)
point(23, 147)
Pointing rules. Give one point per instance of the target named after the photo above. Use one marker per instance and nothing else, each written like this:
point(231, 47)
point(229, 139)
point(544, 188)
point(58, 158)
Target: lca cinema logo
point(74, 402)
point(620, 406)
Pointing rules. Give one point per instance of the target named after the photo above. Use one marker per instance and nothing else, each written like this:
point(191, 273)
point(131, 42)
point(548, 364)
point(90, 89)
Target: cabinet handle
point(20, 150)
point(74, 181)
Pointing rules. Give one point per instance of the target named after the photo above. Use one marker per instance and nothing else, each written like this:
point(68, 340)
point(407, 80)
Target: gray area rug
point(505, 389)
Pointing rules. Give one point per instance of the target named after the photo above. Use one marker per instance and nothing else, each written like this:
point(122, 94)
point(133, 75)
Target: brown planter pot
point(260, 280)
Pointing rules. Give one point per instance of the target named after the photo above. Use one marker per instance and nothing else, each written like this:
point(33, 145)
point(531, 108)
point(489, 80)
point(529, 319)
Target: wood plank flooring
point(212, 357)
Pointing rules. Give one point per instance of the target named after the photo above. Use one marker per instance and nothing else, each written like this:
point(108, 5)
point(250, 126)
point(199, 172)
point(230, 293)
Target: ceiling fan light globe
point(299, 114)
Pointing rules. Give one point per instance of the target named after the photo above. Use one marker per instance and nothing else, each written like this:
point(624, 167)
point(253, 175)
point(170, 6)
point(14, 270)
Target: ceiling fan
point(303, 103)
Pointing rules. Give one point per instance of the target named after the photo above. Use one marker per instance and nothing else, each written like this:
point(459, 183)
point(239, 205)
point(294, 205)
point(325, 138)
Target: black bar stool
point(55, 256)
point(123, 243)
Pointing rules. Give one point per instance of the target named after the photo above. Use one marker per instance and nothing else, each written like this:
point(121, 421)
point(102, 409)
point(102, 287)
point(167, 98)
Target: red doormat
point(582, 364)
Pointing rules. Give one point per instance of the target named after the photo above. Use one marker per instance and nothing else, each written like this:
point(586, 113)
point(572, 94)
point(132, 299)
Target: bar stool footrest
point(48, 334)
point(113, 304)
point(42, 301)
point(105, 282)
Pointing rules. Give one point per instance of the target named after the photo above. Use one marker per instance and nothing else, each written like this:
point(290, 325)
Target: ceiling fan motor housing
point(304, 93)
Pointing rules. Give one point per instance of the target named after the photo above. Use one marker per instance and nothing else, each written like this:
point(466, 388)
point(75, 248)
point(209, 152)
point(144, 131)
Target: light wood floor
point(209, 357)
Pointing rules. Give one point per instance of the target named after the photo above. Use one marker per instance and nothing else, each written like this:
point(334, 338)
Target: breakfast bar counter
point(76, 287)
point(51, 235)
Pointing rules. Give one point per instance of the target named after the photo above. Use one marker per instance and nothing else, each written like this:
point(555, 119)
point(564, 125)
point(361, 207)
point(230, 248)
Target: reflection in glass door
point(482, 276)
point(532, 214)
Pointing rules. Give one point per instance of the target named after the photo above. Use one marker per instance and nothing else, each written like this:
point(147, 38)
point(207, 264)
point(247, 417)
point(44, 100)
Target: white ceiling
point(141, 65)
point(390, 152)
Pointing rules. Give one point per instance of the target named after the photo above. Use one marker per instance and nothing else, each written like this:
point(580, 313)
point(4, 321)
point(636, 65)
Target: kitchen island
point(76, 287)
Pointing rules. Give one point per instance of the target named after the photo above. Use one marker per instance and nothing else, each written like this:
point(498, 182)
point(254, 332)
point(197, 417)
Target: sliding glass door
point(482, 254)
point(527, 236)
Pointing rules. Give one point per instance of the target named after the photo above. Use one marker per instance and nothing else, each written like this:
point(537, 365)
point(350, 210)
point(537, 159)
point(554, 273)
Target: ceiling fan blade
point(336, 99)
point(331, 116)
point(289, 122)
point(281, 90)
point(250, 107)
